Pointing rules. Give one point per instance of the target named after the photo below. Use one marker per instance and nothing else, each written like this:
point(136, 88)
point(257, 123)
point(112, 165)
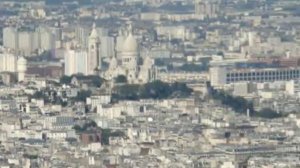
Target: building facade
point(222, 75)
point(8, 62)
point(10, 37)
point(76, 62)
point(26, 42)
point(207, 9)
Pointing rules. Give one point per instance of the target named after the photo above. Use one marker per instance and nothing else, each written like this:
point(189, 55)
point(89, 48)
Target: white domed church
point(129, 63)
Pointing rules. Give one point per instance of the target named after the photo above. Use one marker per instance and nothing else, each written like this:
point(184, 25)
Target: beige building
point(8, 62)
point(207, 8)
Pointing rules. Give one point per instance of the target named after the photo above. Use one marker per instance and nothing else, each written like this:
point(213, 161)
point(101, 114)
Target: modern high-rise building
point(45, 38)
point(57, 34)
point(107, 48)
point(81, 36)
point(76, 62)
point(8, 62)
point(102, 31)
point(83, 60)
point(10, 38)
point(207, 8)
point(26, 42)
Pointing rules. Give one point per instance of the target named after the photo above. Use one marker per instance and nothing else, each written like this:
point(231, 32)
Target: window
point(98, 139)
point(91, 138)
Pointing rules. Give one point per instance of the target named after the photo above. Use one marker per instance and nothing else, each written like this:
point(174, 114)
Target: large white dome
point(130, 44)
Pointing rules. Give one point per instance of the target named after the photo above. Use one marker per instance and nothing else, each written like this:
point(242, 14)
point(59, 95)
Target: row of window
point(126, 59)
point(274, 73)
point(262, 78)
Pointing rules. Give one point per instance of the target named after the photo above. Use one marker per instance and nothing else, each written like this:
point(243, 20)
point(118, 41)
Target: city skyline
point(149, 83)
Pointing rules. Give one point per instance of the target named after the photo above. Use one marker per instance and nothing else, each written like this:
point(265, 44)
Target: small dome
point(22, 60)
point(130, 44)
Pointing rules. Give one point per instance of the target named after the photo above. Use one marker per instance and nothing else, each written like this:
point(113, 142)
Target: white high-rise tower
point(94, 60)
point(8, 62)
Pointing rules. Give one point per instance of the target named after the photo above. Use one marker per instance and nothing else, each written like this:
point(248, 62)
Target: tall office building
point(85, 60)
point(102, 31)
point(107, 46)
point(81, 36)
point(207, 8)
point(26, 41)
point(10, 38)
point(45, 38)
point(8, 62)
point(76, 62)
point(57, 33)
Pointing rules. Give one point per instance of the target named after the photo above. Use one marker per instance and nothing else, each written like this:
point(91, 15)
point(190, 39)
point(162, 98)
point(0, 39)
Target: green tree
point(129, 92)
point(121, 79)
point(86, 126)
point(268, 113)
point(65, 79)
point(38, 95)
point(105, 136)
point(82, 95)
point(155, 90)
point(30, 156)
point(241, 105)
point(97, 81)
point(107, 133)
point(181, 88)
point(227, 135)
point(193, 68)
point(152, 90)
